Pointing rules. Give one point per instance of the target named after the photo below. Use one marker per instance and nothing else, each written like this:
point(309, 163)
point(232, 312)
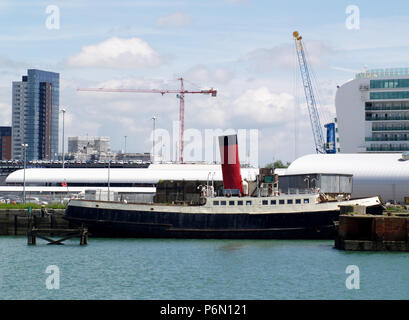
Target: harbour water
point(198, 269)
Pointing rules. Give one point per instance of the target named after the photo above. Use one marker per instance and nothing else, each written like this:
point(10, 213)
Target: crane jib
point(309, 96)
point(180, 95)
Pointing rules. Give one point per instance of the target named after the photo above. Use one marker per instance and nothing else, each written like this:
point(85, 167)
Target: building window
point(265, 202)
point(231, 203)
point(273, 202)
point(223, 203)
point(248, 203)
point(240, 203)
point(290, 201)
point(389, 84)
point(281, 201)
point(215, 203)
point(389, 95)
point(297, 201)
point(306, 200)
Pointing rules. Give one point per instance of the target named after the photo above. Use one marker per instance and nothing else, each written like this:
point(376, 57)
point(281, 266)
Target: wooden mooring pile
point(35, 230)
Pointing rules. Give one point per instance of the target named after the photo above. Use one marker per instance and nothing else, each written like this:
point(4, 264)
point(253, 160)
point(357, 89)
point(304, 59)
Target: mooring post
point(45, 233)
point(31, 238)
point(15, 225)
point(84, 236)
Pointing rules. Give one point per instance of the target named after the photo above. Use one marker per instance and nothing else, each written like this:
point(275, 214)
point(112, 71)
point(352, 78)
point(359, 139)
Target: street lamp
point(63, 155)
point(153, 139)
point(109, 175)
point(212, 193)
point(24, 145)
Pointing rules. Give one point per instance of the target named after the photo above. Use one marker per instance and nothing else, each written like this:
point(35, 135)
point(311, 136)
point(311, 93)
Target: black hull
point(145, 224)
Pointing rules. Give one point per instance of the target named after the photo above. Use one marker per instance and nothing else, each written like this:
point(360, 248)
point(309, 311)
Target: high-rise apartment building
point(5, 140)
point(35, 104)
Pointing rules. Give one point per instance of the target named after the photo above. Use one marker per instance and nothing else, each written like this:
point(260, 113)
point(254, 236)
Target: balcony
point(386, 118)
point(390, 149)
point(384, 108)
point(387, 139)
point(401, 128)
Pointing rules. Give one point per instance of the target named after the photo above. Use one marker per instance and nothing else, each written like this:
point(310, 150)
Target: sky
point(242, 48)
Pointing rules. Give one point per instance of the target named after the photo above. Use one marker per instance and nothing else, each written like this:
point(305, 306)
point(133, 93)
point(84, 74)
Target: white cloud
point(237, 1)
point(178, 19)
point(263, 106)
point(350, 71)
point(5, 114)
point(117, 53)
point(207, 76)
point(284, 56)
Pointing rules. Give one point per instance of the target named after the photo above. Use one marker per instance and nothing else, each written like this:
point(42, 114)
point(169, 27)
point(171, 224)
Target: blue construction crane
point(320, 145)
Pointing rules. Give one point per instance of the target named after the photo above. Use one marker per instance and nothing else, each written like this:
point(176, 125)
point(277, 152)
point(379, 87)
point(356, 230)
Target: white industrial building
point(386, 174)
point(373, 112)
point(132, 184)
point(82, 144)
point(125, 176)
point(84, 147)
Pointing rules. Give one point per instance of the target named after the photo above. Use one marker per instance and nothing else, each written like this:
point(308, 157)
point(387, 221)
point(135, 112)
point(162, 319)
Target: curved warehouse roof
point(360, 165)
point(123, 175)
point(373, 174)
point(41, 189)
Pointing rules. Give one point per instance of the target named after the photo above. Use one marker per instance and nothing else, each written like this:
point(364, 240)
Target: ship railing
point(301, 191)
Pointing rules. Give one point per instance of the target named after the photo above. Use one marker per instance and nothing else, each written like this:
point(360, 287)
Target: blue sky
point(242, 48)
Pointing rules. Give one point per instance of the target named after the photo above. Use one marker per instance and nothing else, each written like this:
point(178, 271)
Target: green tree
point(277, 164)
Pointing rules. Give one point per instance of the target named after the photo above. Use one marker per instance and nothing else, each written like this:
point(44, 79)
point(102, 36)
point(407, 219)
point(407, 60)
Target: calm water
point(198, 269)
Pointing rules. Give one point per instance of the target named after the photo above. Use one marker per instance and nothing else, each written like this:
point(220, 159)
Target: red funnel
point(229, 156)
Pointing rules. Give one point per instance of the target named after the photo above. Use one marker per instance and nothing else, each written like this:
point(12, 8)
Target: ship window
point(240, 203)
point(274, 202)
point(248, 203)
point(223, 203)
point(290, 201)
point(231, 203)
point(265, 202)
point(215, 203)
point(298, 201)
point(306, 200)
point(281, 201)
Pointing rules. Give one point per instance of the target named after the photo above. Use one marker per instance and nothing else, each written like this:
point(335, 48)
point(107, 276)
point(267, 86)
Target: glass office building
point(373, 111)
point(35, 115)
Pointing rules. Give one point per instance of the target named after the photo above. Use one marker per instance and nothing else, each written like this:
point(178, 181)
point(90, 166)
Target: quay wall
point(365, 232)
point(15, 222)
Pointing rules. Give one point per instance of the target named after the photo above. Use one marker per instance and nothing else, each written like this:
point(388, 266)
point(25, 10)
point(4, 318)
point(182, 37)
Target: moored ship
point(239, 210)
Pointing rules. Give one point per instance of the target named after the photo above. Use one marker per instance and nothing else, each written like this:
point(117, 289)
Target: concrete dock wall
point(15, 221)
point(373, 233)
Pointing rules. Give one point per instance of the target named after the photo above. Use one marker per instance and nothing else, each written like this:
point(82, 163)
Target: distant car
point(34, 200)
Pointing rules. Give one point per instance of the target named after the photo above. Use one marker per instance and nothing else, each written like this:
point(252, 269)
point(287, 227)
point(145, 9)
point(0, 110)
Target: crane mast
point(320, 144)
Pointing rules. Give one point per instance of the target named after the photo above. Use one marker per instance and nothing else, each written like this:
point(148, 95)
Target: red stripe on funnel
point(229, 156)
